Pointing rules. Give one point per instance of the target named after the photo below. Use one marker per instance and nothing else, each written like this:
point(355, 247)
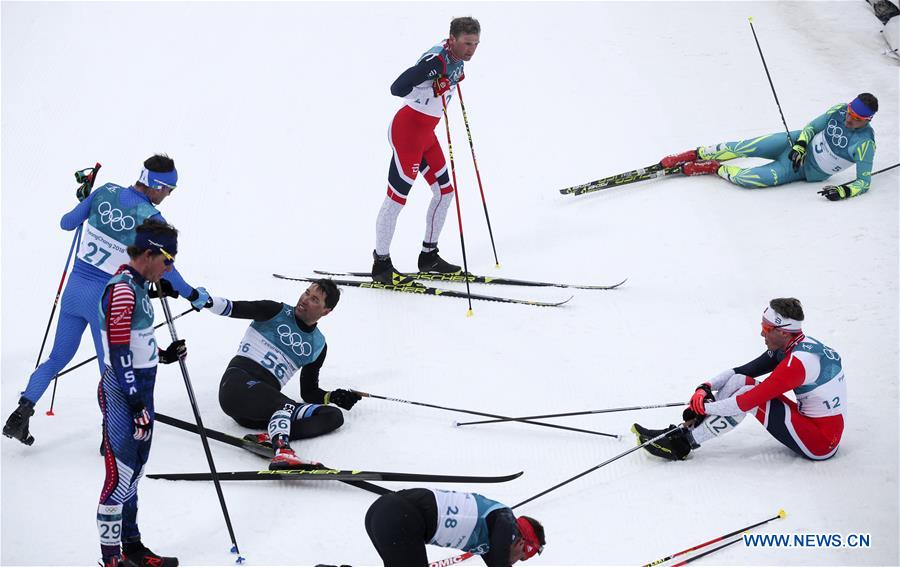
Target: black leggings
point(251, 402)
point(398, 525)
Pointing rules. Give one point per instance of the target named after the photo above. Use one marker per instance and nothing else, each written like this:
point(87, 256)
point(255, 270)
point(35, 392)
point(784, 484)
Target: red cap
point(532, 544)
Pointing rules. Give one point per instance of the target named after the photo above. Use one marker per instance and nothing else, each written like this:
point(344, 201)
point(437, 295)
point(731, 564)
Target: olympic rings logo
point(114, 218)
point(294, 340)
point(837, 134)
point(145, 304)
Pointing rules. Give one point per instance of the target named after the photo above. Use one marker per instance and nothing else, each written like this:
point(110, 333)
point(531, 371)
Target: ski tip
point(782, 513)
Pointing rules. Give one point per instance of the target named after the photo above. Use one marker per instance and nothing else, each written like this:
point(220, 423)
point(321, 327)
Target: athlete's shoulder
point(836, 108)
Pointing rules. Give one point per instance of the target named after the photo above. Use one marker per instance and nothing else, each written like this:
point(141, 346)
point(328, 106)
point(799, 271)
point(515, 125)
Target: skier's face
point(775, 338)
point(152, 266)
point(854, 123)
point(464, 46)
point(311, 305)
point(517, 552)
point(157, 196)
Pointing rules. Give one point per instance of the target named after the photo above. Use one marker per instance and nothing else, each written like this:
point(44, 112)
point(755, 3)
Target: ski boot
point(708, 167)
point(286, 459)
point(137, 555)
point(17, 425)
point(674, 447)
point(431, 262)
point(678, 159)
point(383, 271)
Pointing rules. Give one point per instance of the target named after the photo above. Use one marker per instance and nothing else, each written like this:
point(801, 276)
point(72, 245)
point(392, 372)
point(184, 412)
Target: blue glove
point(199, 299)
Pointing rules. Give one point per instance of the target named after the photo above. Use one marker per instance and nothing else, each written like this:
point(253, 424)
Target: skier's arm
point(81, 212)
point(118, 303)
point(503, 530)
point(309, 380)
point(787, 376)
point(763, 364)
point(261, 310)
point(427, 68)
point(174, 277)
point(864, 156)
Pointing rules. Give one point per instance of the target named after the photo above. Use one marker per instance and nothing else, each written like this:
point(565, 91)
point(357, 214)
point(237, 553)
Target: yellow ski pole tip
point(750, 18)
point(782, 513)
point(497, 265)
point(469, 313)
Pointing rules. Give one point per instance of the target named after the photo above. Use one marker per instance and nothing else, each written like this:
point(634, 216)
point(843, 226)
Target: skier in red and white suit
point(416, 149)
point(811, 427)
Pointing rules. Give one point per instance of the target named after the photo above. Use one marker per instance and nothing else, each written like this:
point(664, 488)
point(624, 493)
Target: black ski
point(427, 290)
point(254, 447)
point(337, 474)
point(460, 278)
point(642, 174)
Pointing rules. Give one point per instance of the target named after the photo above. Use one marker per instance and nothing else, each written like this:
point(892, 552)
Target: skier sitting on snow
point(401, 523)
point(811, 426)
point(280, 341)
point(837, 139)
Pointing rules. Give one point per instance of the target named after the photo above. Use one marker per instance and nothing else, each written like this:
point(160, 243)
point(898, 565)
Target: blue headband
point(158, 179)
point(861, 109)
point(144, 240)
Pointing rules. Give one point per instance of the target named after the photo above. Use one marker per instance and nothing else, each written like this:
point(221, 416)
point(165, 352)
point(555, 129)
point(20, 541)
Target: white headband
point(781, 322)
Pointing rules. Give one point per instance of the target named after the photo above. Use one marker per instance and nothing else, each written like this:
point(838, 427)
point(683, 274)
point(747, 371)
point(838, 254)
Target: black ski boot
point(431, 262)
point(383, 271)
point(675, 446)
point(136, 554)
point(17, 425)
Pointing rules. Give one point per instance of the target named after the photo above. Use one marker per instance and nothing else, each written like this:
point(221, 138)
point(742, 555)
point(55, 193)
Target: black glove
point(164, 287)
point(173, 353)
point(342, 398)
point(86, 177)
point(688, 415)
point(798, 154)
point(833, 193)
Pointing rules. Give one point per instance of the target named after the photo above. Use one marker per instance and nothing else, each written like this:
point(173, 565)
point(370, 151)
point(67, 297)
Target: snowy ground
point(276, 114)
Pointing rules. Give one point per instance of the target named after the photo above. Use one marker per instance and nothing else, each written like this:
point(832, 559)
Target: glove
point(702, 394)
point(199, 299)
point(143, 428)
point(86, 180)
point(688, 415)
point(165, 288)
point(344, 399)
point(173, 353)
point(833, 193)
point(440, 85)
point(798, 154)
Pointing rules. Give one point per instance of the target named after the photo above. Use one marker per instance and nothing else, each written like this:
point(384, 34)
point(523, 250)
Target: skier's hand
point(199, 299)
point(173, 353)
point(165, 288)
point(86, 177)
point(143, 428)
point(342, 398)
point(798, 154)
point(440, 85)
point(690, 418)
point(833, 193)
point(702, 394)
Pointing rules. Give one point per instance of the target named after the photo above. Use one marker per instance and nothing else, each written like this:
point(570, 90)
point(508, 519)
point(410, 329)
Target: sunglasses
point(169, 258)
point(769, 327)
point(161, 185)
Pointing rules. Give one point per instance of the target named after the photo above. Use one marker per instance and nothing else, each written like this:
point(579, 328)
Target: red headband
point(532, 544)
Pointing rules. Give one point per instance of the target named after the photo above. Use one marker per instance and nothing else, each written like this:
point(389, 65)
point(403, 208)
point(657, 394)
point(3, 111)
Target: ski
point(254, 447)
point(336, 474)
point(428, 290)
point(642, 174)
point(472, 278)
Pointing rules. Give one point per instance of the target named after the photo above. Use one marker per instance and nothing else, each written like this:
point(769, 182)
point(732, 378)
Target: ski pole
point(200, 429)
point(83, 362)
point(783, 121)
point(554, 426)
point(780, 514)
point(462, 239)
point(462, 557)
point(87, 183)
point(886, 169)
point(477, 174)
point(574, 413)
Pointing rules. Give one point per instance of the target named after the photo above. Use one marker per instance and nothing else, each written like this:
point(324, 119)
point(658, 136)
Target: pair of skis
point(356, 478)
point(654, 171)
point(420, 289)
